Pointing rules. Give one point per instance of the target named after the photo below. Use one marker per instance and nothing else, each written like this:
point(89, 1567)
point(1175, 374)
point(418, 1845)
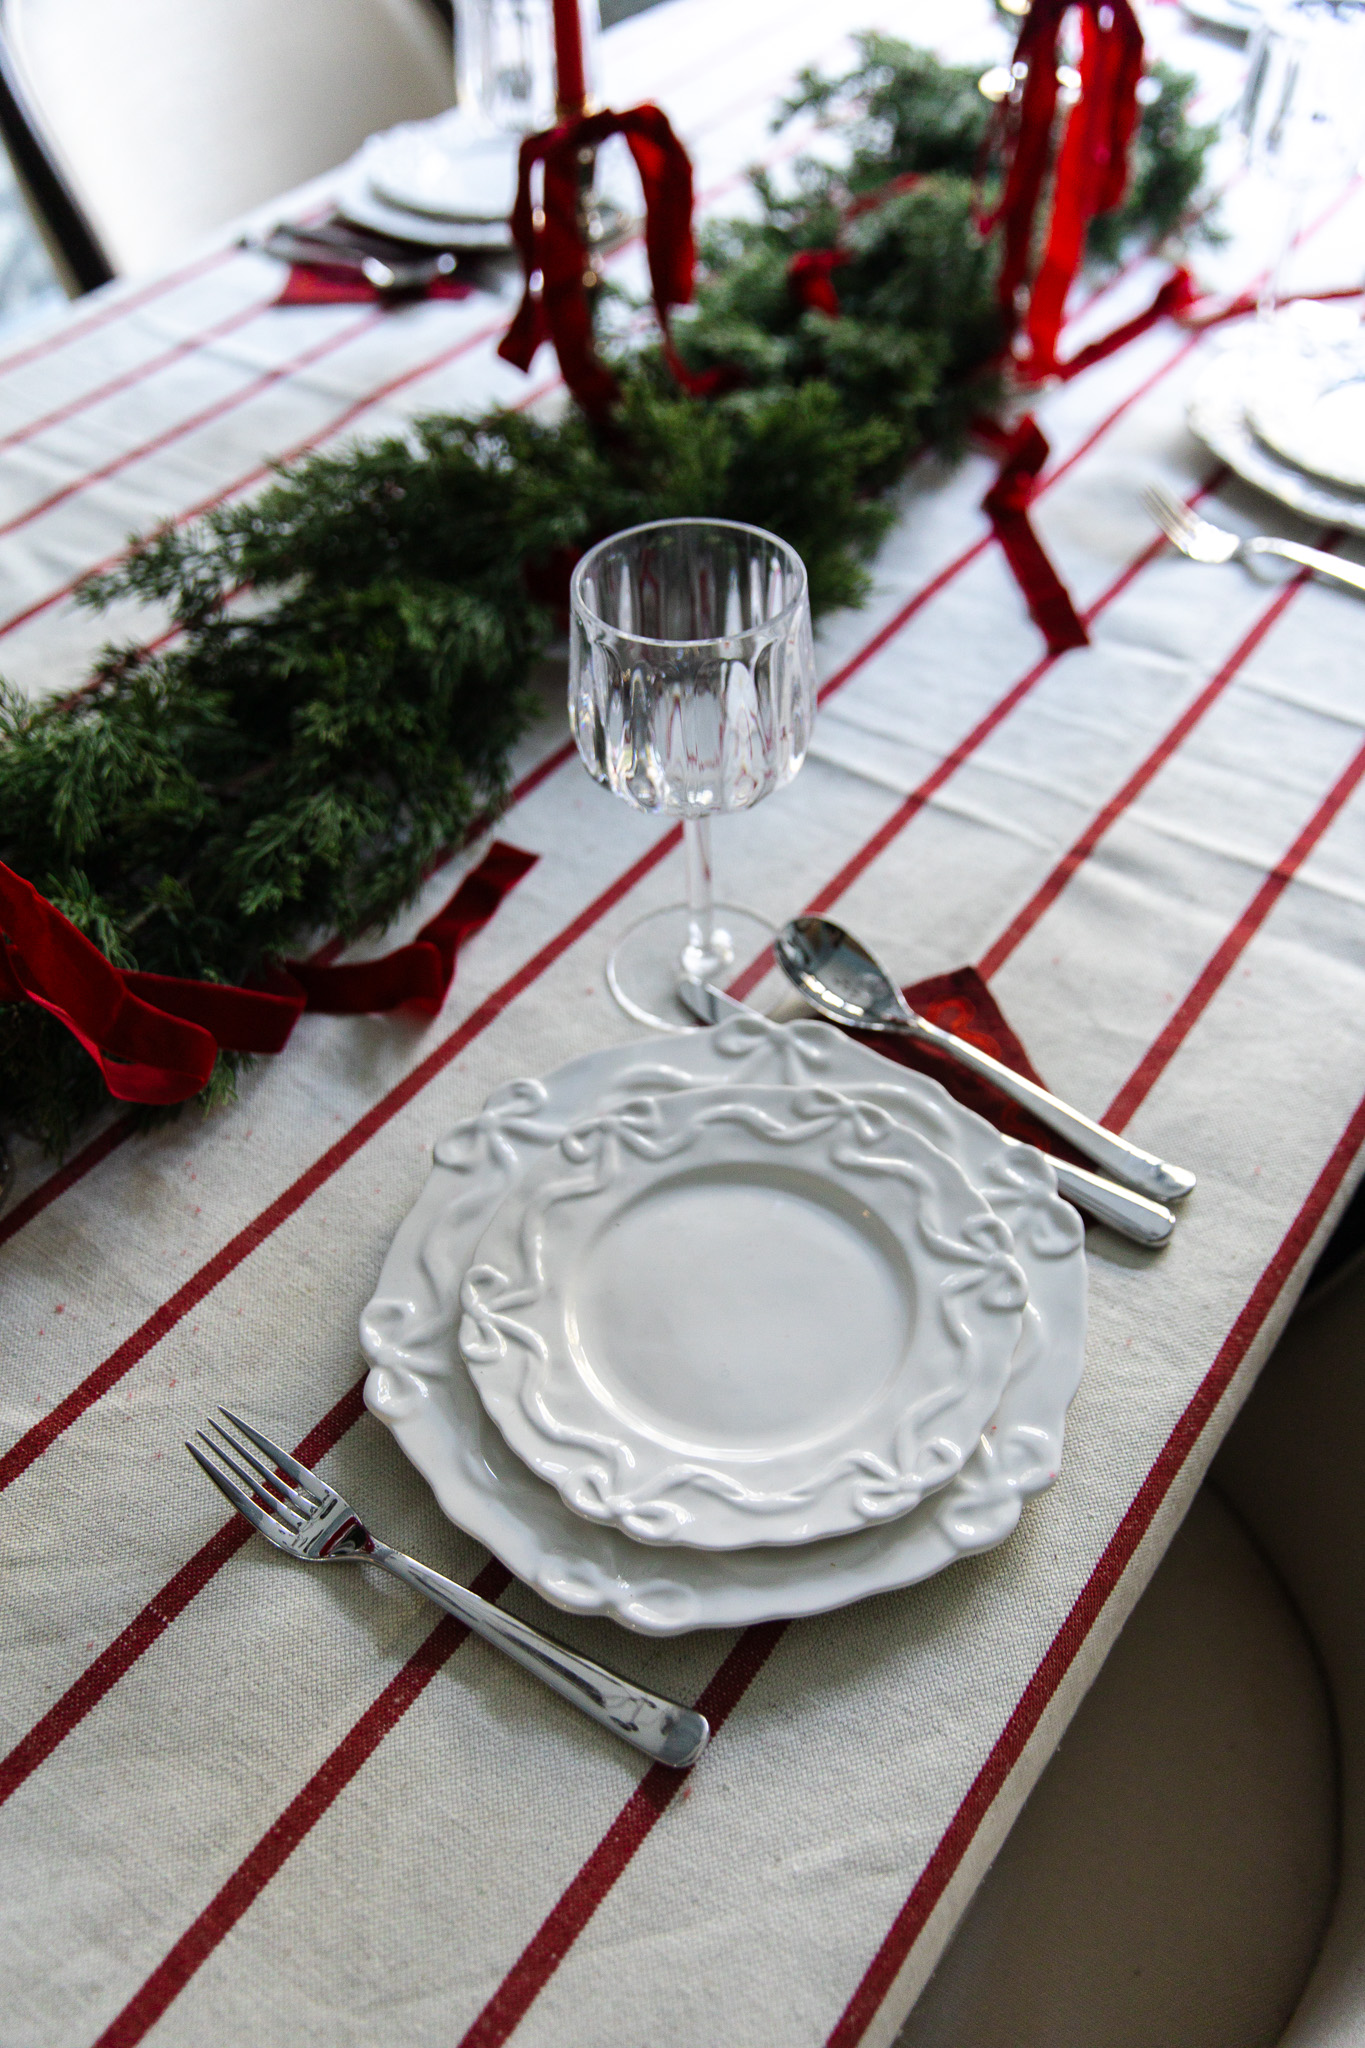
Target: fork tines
point(264, 1496)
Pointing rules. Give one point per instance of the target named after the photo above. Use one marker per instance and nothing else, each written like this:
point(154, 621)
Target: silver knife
point(1132, 1215)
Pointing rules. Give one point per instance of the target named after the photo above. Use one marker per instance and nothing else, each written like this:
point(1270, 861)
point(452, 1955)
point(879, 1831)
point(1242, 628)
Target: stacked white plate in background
point(1283, 404)
point(447, 182)
point(744, 1328)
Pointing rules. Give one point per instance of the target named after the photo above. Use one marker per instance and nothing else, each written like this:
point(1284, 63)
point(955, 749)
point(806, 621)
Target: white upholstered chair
point(1189, 1871)
point(138, 126)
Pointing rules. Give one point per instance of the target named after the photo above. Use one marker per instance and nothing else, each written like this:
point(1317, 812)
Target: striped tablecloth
point(242, 1798)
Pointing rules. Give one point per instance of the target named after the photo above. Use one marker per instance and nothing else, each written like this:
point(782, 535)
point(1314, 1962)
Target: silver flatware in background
point(839, 977)
point(385, 269)
point(308, 1519)
point(1202, 541)
point(1133, 1216)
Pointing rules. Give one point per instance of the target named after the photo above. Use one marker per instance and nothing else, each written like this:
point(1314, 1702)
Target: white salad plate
point(1219, 414)
point(419, 1386)
point(357, 201)
point(452, 168)
point(742, 1314)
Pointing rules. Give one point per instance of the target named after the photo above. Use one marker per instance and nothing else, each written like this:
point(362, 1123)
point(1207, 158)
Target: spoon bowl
point(839, 976)
point(846, 983)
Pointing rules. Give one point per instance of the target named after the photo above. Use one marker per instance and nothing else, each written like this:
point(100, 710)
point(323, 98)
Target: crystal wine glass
point(505, 61)
point(691, 691)
point(1302, 113)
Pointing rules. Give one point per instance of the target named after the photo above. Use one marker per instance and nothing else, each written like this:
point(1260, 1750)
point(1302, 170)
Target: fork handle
point(1328, 566)
point(668, 1733)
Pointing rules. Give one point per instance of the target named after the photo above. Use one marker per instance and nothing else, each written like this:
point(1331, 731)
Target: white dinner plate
point(741, 1314)
point(418, 1384)
point(1218, 415)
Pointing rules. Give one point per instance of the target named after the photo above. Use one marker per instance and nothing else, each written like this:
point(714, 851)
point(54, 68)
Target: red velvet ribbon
point(1092, 163)
point(155, 1038)
point(1175, 297)
point(550, 243)
point(1023, 451)
point(808, 274)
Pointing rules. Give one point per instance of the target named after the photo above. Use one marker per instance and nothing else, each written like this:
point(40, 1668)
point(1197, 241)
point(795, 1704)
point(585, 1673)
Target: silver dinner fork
point(304, 1516)
point(1202, 541)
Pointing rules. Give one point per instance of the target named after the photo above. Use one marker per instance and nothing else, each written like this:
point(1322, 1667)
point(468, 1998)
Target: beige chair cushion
point(1292, 1464)
point(1167, 1883)
point(174, 116)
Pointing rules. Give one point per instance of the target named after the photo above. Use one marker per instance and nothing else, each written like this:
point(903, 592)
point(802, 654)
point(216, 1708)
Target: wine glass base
point(644, 970)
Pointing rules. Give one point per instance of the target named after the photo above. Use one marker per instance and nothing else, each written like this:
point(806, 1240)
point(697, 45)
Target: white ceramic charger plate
point(1218, 415)
point(419, 1387)
point(742, 1314)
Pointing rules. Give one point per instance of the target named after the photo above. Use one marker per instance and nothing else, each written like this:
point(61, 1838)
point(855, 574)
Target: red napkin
point(323, 284)
point(960, 1002)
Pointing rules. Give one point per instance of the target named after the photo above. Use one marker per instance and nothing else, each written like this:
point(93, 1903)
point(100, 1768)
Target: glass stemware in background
point(691, 691)
point(1303, 112)
point(505, 61)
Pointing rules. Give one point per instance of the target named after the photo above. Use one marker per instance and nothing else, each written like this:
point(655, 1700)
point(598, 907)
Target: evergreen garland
point(351, 671)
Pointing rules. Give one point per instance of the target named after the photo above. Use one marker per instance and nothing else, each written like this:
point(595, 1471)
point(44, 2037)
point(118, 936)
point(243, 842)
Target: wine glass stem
point(708, 949)
point(1272, 285)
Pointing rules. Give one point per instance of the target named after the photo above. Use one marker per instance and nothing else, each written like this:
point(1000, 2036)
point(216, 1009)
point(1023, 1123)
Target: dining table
point(243, 1800)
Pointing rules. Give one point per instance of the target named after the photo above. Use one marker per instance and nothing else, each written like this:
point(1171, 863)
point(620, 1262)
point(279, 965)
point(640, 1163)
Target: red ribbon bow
point(550, 243)
point(155, 1038)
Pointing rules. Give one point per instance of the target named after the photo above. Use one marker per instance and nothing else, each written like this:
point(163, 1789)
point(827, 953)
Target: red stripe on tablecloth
point(129, 303)
point(225, 1261)
point(911, 805)
point(909, 1923)
point(426, 368)
point(1051, 889)
point(1158, 1056)
point(76, 1168)
point(220, 406)
point(647, 1804)
point(252, 1875)
point(135, 375)
point(94, 1682)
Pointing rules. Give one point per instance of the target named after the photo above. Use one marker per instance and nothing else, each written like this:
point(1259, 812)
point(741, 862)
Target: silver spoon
point(840, 978)
point(1133, 1216)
